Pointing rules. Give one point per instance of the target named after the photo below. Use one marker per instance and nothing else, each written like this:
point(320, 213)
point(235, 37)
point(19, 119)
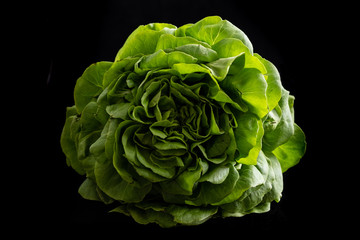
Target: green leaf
point(212, 193)
point(150, 92)
point(250, 177)
point(185, 91)
point(156, 127)
point(217, 145)
point(148, 214)
point(169, 41)
point(217, 160)
point(163, 27)
point(213, 29)
point(279, 126)
point(149, 170)
point(170, 145)
point(274, 89)
point(199, 52)
point(142, 41)
point(90, 84)
point(214, 127)
point(88, 190)
point(119, 110)
point(184, 183)
point(220, 68)
point(121, 164)
point(217, 175)
point(113, 185)
point(277, 183)
point(118, 68)
point(190, 215)
point(223, 97)
point(89, 122)
point(248, 137)
point(187, 68)
point(290, 153)
point(253, 196)
point(159, 59)
point(230, 47)
point(251, 86)
point(69, 140)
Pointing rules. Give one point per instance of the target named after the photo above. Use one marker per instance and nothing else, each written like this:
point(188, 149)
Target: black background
point(71, 36)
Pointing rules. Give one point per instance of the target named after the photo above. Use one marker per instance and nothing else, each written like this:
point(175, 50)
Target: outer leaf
point(88, 190)
point(163, 27)
point(290, 153)
point(248, 85)
point(277, 184)
point(248, 137)
point(220, 68)
point(279, 126)
point(252, 86)
point(214, 29)
point(217, 175)
point(198, 51)
point(151, 213)
point(274, 89)
point(157, 173)
point(142, 41)
point(253, 196)
point(119, 110)
point(112, 184)
point(191, 215)
point(250, 177)
point(69, 140)
point(169, 41)
point(90, 84)
point(180, 32)
point(118, 68)
point(230, 47)
point(88, 120)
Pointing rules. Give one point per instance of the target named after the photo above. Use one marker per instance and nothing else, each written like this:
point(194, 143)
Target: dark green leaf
point(90, 84)
point(191, 215)
point(212, 193)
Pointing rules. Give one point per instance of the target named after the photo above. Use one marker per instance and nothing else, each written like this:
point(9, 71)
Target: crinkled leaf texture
point(186, 124)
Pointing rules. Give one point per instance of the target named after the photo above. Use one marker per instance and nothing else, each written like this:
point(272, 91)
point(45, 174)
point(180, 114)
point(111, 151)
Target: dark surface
point(76, 35)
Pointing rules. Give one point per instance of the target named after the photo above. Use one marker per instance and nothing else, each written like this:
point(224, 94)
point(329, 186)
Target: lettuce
point(185, 125)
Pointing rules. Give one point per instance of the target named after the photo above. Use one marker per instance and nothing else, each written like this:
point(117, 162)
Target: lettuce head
point(187, 124)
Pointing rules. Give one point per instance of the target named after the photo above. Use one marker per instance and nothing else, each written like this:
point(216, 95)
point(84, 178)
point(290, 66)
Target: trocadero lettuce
point(187, 124)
